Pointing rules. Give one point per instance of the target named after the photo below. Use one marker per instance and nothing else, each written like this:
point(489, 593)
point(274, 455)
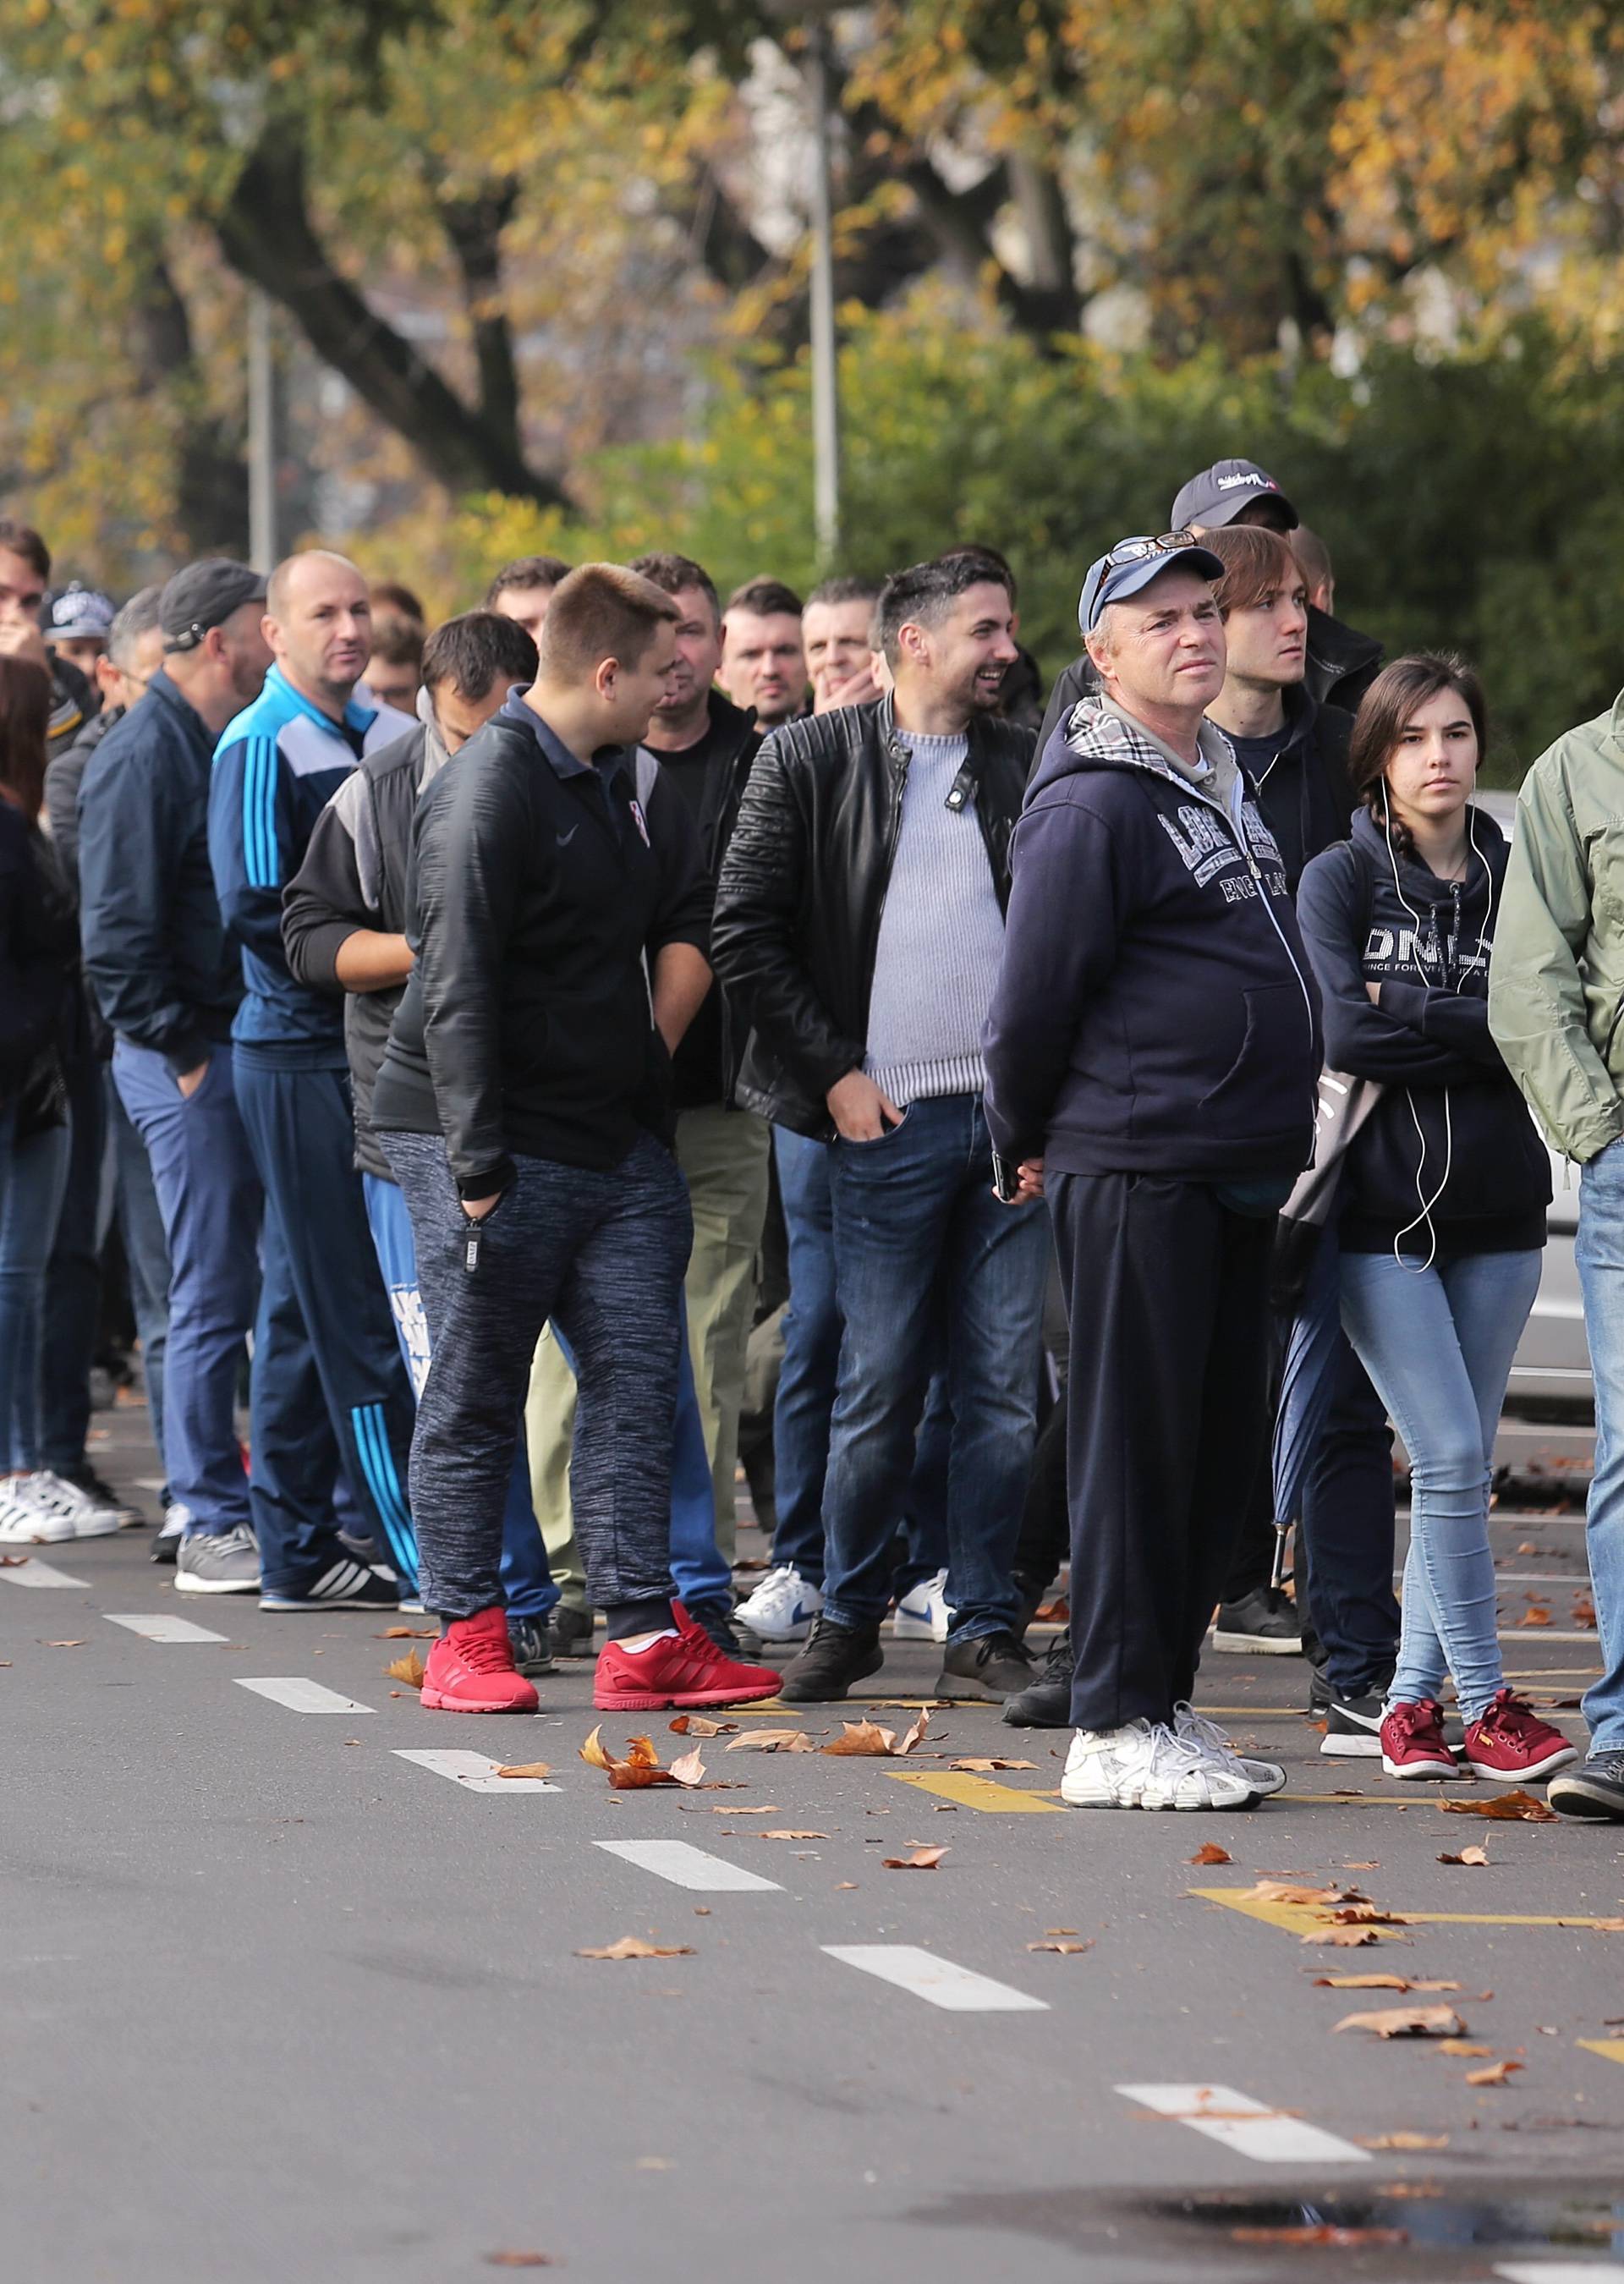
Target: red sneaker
point(471, 1670)
point(687, 1670)
point(1508, 1744)
point(1412, 1741)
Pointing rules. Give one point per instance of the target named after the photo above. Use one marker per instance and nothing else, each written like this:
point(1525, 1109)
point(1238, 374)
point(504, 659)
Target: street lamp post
point(825, 370)
point(261, 436)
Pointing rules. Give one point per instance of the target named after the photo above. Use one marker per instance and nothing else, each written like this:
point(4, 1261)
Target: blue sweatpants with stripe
point(329, 1402)
point(527, 1582)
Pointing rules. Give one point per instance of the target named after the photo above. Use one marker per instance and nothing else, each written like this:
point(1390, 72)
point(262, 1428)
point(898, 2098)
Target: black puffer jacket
point(798, 907)
point(539, 887)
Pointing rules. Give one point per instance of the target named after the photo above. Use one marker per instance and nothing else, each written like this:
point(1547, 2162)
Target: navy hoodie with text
point(1450, 1106)
point(1155, 1012)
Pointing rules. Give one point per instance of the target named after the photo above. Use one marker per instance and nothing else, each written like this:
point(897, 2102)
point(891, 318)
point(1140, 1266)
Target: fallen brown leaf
point(520, 2260)
point(12, 1561)
point(1060, 1930)
point(1467, 1856)
point(1290, 1891)
point(1055, 1612)
point(844, 1883)
point(409, 1669)
point(769, 1808)
point(1496, 2074)
point(974, 1764)
point(867, 1739)
point(1463, 2047)
point(1067, 1950)
point(772, 1740)
point(636, 1772)
point(695, 1725)
point(632, 1946)
point(1210, 1853)
point(1516, 1806)
point(1597, 1927)
point(792, 1835)
point(68, 1644)
point(1372, 1864)
point(1366, 1916)
point(1407, 2022)
point(917, 1860)
point(1584, 1611)
point(688, 1768)
point(1377, 1982)
point(525, 1769)
point(1406, 2142)
point(408, 1633)
point(1535, 1614)
point(1342, 1938)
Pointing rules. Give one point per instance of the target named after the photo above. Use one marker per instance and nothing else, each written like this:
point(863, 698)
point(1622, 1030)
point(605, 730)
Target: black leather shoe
point(1046, 1703)
point(990, 1667)
point(834, 1658)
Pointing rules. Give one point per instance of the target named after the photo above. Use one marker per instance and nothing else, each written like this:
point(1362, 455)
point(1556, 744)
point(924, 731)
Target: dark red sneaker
point(686, 1669)
point(1508, 1744)
point(471, 1670)
point(1412, 1741)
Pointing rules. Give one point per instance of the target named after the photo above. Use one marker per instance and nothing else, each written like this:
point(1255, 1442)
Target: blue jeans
point(807, 1379)
point(1599, 1252)
point(32, 1180)
point(74, 1280)
point(925, 1254)
point(527, 1582)
point(1438, 1344)
point(146, 1252)
point(209, 1196)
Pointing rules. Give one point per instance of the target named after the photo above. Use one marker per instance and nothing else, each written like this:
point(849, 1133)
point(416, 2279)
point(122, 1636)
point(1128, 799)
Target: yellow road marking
point(1305, 1918)
point(966, 1790)
point(1610, 2050)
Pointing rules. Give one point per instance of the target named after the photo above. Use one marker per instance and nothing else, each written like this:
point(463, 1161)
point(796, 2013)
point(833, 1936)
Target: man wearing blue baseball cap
point(1152, 1054)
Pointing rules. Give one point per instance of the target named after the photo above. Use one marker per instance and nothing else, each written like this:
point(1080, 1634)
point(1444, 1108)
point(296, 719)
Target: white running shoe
point(1193, 1728)
point(1144, 1765)
point(923, 1614)
point(25, 1523)
point(782, 1607)
point(55, 1495)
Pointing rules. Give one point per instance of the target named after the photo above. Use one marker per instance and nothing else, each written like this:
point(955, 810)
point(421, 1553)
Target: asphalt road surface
point(283, 2000)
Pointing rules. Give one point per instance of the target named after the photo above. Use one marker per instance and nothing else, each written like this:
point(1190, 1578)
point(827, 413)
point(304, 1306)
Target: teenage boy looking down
point(559, 932)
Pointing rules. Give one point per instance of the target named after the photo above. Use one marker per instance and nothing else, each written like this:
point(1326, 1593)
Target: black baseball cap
point(1217, 495)
point(202, 596)
point(1110, 582)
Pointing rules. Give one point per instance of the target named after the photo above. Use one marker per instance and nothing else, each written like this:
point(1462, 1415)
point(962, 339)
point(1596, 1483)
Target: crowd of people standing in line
point(619, 1031)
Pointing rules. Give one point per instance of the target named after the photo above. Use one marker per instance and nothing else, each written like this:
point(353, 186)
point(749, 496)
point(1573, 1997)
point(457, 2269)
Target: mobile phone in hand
point(1006, 1180)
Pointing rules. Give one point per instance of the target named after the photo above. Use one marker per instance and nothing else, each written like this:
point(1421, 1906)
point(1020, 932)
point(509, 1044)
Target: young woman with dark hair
point(38, 956)
point(1442, 1210)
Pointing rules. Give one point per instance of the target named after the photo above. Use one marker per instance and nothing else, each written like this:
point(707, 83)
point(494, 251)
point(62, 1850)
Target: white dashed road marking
point(32, 1572)
point(162, 1628)
point(1248, 2126)
point(1559, 2272)
point(686, 1867)
point(937, 1981)
point(298, 1694)
point(474, 1771)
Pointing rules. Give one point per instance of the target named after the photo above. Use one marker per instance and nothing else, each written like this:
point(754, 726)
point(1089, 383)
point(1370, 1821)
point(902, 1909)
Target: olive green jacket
point(1556, 988)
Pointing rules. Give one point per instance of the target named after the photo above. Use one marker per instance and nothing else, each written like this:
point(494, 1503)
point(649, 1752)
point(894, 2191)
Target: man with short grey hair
point(1152, 1054)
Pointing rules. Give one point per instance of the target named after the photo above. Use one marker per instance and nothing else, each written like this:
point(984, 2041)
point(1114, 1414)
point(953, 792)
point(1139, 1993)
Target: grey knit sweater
point(940, 939)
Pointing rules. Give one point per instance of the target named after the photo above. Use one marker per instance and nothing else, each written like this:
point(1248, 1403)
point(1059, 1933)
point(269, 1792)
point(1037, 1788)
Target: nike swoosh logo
point(566, 838)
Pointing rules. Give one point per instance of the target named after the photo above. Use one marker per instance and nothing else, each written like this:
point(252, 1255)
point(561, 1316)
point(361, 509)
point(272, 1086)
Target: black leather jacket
point(803, 885)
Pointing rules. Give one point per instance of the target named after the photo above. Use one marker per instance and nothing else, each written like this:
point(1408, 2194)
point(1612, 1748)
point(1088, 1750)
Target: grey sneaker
point(571, 1630)
point(532, 1644)
point(218, 1562)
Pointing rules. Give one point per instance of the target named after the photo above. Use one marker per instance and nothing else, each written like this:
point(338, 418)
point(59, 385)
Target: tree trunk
point(267, 234)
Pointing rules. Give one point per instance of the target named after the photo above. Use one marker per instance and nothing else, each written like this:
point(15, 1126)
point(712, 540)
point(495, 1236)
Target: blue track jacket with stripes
point(276, 768)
